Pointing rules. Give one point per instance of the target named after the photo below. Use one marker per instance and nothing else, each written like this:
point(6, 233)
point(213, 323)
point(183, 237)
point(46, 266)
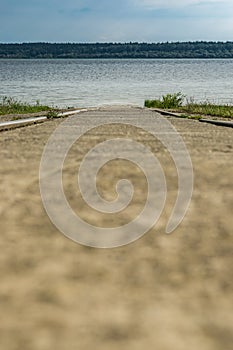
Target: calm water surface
point(97, 82)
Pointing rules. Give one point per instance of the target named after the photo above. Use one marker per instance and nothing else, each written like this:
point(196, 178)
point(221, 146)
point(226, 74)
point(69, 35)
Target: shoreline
point(14, 117)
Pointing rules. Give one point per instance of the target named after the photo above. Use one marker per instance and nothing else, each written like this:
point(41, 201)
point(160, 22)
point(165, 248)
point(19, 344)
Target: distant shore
point(165, 50)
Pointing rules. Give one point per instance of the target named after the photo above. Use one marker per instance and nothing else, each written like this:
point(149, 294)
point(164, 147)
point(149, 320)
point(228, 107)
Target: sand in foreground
point(163, 292)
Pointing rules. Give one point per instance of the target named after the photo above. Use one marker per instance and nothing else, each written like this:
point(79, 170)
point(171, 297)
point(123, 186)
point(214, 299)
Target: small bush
point(52, 114)
point(167, 101)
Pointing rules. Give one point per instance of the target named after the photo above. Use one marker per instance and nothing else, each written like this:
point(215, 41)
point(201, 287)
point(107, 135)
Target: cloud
point(186, 8)
point(122, 20)
point(153, 4)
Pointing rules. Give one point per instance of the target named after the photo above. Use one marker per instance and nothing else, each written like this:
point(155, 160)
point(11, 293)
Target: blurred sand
point(161, 292)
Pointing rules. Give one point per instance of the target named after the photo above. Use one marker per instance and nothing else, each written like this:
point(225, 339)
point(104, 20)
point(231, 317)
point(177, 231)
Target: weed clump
point(10, 105)
point(175, 102)
point(167, 101)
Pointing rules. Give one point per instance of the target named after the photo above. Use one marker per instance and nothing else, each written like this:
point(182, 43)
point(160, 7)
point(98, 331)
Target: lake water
point(85, 83)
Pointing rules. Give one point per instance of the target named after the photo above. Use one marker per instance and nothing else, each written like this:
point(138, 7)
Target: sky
point(115, 20)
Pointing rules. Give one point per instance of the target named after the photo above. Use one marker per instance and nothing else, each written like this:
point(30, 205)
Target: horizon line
point(115, 42)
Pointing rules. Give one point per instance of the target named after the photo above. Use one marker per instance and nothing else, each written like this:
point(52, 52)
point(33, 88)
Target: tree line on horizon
point(197, 49)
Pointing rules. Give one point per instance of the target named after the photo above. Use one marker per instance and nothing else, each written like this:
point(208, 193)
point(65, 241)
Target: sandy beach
point(165, 292)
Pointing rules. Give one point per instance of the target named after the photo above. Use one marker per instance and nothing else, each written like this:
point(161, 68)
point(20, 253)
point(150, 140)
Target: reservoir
point(95, 82)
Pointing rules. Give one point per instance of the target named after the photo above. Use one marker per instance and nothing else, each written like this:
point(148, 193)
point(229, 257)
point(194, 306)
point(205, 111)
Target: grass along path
point(9, 105)
point(175, 103)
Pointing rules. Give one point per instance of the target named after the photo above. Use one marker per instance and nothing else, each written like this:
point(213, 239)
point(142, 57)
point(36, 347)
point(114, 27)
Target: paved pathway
point(163, 291)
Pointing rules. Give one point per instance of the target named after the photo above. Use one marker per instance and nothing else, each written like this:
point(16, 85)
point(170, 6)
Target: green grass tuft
point(167, 101)
point(10, 105)
point(175, 102)
point(206, 108)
